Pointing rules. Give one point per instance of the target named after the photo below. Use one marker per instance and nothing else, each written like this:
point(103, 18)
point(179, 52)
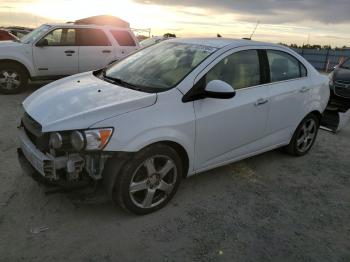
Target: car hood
point(10, 43)
point(79, 101)
point(342, 74)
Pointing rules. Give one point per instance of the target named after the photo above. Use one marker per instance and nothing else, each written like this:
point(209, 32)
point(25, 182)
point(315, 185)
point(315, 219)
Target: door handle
point(106, 51)
point(304, 89)
point(69, 52)
point(261, 101)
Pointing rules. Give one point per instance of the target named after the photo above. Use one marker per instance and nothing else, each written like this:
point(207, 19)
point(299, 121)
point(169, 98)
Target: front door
point(229, 129)
point(59, 55)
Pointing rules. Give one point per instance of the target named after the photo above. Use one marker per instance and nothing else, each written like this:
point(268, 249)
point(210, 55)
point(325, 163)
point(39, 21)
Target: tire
point(13, 78)
point(148, 180)
point(304, 136)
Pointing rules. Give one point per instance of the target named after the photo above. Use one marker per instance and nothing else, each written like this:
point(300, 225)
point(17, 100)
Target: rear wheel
point(13, 78)
point(304, 136)
point(148, 180)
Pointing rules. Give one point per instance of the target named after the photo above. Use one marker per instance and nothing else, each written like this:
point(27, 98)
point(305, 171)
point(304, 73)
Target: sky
point(324, 22)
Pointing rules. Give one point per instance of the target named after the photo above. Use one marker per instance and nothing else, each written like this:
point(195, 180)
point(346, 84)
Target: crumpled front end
point(64, 166)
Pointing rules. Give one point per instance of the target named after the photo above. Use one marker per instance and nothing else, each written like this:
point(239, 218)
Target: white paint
point(213, 132)
point(53, 61)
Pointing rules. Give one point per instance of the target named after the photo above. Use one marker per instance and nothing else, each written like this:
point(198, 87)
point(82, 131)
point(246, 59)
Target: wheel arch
point(316, 113)
point(181, 152)
point(313, 112)
point(16, 62)
point(115, 164)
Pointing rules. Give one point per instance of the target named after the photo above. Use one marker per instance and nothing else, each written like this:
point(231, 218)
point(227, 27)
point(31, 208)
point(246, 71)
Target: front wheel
point(148, 180)
point(13, 78)
point(304, 136)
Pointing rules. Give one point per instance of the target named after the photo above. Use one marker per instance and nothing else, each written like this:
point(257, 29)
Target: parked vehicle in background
point(337, 115)
point(169, 111)
point(153, 40)
point(19, 32)
point(7, 36)
point(340, 84)
point(53, 51)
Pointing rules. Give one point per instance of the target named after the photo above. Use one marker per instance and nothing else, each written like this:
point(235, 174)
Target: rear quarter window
point(123, 38)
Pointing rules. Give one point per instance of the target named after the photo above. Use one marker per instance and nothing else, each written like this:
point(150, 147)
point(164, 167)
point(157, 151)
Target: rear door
point(95, 49)
point(60, 56)
point(126, 42)
point(289, 94)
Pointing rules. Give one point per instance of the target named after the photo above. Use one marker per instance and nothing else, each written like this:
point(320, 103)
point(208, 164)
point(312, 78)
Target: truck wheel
point(149, 180)
point(304, 136)
point(13, 78)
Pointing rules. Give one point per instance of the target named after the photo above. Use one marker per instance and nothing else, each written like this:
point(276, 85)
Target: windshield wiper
point(120, 82)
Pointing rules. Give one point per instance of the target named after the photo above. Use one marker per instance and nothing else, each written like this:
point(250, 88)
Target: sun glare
point(138, 15)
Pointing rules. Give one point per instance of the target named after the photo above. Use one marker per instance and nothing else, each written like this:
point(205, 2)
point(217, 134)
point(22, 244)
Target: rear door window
point(284, 66)
point(92, 37)
point(123, 38)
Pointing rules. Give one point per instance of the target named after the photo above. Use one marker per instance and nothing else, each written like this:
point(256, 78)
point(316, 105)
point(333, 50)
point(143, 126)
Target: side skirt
point(239, 158)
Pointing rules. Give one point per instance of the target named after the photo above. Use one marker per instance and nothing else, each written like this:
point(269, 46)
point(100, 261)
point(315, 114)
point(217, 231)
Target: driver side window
point(61, 37)
point(240, 70)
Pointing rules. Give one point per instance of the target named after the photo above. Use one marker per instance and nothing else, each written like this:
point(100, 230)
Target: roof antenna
point(256, 26)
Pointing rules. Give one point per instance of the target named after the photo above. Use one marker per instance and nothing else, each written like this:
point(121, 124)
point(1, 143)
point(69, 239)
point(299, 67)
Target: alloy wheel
point(10, 79)
point(306, 135)
point(153, 181)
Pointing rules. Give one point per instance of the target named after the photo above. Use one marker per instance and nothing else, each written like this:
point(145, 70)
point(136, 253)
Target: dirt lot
point(272, 207)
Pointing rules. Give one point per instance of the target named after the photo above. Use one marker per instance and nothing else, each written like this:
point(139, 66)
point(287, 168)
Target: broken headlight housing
point(88, 140)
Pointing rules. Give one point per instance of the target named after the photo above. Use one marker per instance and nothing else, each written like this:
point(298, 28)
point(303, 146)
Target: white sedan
point(169, 111)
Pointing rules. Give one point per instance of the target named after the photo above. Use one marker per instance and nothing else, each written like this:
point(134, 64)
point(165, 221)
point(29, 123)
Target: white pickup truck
point(53, 51)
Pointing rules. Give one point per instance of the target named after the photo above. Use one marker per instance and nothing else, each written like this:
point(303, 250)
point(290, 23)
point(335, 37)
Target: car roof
point(220, 42)
point(73, 25)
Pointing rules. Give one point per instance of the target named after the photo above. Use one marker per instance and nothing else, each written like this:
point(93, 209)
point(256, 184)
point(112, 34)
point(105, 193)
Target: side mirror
point(42, 42)
point(219, 89)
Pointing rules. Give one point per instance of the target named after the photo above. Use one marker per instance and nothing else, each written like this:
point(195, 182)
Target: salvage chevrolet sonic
point(170, 111)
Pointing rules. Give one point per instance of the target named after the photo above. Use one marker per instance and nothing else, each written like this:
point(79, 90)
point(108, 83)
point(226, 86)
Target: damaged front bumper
point(46, 164)
point(64, 170)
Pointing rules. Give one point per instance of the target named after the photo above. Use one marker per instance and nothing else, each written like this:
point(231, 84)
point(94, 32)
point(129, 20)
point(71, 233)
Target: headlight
point(77, 140)
point(55, 140)
point(94, 139)
point(331, 79)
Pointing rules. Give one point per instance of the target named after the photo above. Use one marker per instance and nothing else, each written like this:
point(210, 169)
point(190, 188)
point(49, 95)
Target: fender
point(314, 106)
point(21, 60)
point(144, 139)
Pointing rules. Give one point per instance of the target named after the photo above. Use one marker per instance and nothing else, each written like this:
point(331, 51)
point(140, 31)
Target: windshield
point(149, 41)
point(346, 64)
point(159, 67)
point(35, 34)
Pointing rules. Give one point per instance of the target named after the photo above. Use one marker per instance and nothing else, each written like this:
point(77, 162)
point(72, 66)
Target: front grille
point(33, 131)
point(342, 83)
point(342, 91)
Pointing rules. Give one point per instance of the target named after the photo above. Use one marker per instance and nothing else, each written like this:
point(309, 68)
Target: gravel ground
point(272, 207)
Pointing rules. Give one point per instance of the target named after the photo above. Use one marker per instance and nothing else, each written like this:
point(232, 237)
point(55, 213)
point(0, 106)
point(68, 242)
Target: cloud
point(22, 19)
point(272, 11)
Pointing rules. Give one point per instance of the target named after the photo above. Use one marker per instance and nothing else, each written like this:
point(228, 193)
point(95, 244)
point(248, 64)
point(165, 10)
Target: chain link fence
point(323, 59)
